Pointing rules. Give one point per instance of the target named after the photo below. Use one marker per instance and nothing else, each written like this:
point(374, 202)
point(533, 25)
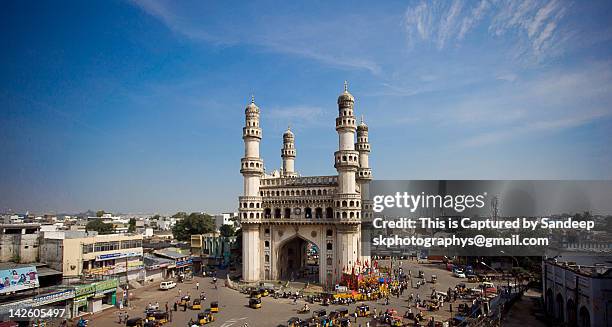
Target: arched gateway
point(296, 227)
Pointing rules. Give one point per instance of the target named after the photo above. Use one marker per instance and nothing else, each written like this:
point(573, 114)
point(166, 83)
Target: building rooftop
point(170, 254)
point(595, 270)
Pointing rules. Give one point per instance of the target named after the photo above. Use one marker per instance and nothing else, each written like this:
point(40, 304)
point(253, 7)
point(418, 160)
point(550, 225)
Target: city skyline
point(138, 106)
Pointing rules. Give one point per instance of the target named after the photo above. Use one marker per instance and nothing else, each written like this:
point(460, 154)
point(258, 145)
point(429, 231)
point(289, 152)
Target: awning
point(46, 271)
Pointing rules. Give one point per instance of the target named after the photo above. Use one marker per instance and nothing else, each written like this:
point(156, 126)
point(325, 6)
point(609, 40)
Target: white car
point(167, 285)
point(459, 274)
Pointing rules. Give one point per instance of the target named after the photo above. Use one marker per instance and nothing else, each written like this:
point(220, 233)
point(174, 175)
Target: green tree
point(227, 230)
point(195, 223)
point(132, 225)
point(180, 215)
point(100, 213)
point(99, 226)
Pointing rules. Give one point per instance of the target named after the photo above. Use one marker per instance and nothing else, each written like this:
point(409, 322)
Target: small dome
point(288, 132)
point(346, 96)
point(252, 107)
point(362, 126)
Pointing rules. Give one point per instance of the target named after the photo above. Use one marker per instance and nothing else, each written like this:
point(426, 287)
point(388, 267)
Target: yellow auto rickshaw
point(196, 304)
point(159, 317)
point(214, 307)
point(363, 310)
point(396, 322)
point(205, 317)
point(135, 322)
point(255, 294)
point(255, 303)
point(264, 292)
point(343, 312)
point(185, 300)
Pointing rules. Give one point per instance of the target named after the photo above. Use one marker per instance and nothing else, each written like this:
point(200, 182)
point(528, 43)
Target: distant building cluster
point(66, 265)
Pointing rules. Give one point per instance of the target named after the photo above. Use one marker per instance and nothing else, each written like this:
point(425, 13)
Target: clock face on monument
point(297, 211)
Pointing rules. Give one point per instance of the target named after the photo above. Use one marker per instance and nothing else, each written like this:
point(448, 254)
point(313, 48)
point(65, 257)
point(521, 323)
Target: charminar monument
point(282, 213)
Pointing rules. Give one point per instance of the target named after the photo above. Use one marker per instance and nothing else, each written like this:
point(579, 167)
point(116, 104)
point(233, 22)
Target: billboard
point(17, 279)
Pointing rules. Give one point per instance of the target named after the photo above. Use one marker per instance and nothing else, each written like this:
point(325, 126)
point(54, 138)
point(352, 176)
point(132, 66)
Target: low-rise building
point(79, 254)
point(19, 242)
point(182, 263)
point(578, 290)
point(157, 268)
point(226, 218)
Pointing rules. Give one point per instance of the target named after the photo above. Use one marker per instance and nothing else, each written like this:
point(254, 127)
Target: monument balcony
point(346, 122)
point(251, 165)
point(362, 147)
point(251, 131)
point(346, 159)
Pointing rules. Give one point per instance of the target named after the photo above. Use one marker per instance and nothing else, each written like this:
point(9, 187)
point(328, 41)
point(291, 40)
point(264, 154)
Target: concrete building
point(212, 245)
point(226, 218)
point(182, 263)
point(19, 242)
point(79, 254)
point(578, 292)
point(282, 212)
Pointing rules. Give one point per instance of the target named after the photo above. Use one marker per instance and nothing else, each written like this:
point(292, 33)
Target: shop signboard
point(106, 286)
point(117, 255)
point(183, 263)
point(84, 290)
point(53, 297)
point(18, 279)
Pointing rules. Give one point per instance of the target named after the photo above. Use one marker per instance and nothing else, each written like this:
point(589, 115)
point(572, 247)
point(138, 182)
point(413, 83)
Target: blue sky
point(138, 106)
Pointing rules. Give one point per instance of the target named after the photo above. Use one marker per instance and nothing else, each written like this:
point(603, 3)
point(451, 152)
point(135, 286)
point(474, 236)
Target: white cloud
point(329, 41)
point(535, 25)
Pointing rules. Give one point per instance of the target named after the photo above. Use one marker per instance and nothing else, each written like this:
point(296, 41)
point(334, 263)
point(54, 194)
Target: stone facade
point(282, 212)
point(19, 242)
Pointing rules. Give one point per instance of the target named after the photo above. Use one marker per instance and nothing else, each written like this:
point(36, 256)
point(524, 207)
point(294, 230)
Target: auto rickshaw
point(185, 300)
point(434, 279)
point(294, 322)
point(135, 322)
point(473, 279)
point(255, 303)
point(396, 322)
point(421, 274)
point(214, 306)
point(432, 305)
point(324, 321)
point(319, 313)
point(255, 294)
point(156, 315)
point(344, 322)
point(343, 312)
point(205, 317)
point(196, 304)
point(333, 317)
point(160, 317)
point(263, 292)
point(363, 310)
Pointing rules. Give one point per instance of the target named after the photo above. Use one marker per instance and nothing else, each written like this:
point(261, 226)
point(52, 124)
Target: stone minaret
point(250, 209)
point(288, 154)
point(347, 198)
point(364, 176)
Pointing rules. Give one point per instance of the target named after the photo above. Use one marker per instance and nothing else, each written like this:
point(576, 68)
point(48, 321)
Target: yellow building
point(81, 254)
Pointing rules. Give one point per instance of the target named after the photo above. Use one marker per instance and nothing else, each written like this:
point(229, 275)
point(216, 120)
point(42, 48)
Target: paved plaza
point(234, 310)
